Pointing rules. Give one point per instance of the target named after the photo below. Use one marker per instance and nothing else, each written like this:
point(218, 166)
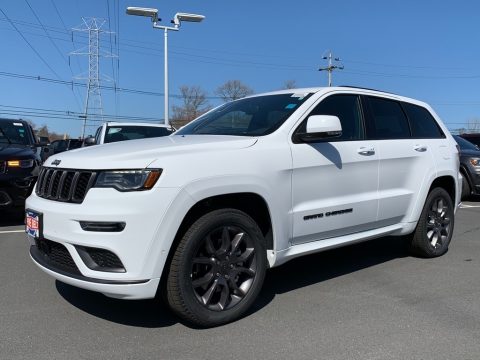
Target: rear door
point(334, 182)
point(405, 162)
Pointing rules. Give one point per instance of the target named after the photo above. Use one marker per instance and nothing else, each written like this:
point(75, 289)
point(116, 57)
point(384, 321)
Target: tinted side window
point(422, 122)
point(347, 109)
point(388, 120)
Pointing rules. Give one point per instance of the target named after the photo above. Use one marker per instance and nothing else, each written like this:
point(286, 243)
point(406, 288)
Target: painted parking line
point(465, 206)
point(11, 231)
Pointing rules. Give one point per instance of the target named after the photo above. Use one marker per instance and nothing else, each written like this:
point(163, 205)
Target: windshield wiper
point(5, 135)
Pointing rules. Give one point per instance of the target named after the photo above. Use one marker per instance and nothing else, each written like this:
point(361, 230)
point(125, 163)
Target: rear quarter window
point(422, 123)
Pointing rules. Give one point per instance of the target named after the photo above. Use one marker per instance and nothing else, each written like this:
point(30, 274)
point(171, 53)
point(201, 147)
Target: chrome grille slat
point(66, 185)
point(73, 186)
point(51, 182)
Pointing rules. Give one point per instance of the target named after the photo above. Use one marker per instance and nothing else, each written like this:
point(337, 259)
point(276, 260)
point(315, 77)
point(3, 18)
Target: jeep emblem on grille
point(56, 162)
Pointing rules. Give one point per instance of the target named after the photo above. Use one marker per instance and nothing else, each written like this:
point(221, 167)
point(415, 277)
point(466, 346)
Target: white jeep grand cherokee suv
point(200, 215)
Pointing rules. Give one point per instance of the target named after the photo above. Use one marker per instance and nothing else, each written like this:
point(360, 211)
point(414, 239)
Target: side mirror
point(320, 127)
point(89, 141)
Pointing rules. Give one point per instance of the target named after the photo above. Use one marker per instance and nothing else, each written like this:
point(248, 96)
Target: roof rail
point(364, 88)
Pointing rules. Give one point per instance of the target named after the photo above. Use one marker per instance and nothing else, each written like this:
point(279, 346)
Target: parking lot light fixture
point(177, 20)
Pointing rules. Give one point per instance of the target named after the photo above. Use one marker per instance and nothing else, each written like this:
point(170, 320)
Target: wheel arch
point(251, 203)
point(447, 183)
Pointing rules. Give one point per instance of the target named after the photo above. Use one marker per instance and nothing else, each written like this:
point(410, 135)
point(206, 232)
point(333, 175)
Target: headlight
point(475, 161)
point(128, 180)
point(24, 164)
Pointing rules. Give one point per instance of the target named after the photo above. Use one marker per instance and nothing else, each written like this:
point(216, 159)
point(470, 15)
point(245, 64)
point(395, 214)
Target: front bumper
point(128, 290)
point(15, 190)
point(141, 246)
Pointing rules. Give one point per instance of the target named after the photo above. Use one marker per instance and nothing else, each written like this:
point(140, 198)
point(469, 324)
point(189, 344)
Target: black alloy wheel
point(217, 269)
point(434, 230)
point(224, 268)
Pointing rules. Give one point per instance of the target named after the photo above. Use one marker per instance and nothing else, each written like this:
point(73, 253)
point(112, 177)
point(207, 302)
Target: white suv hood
point(140, 153)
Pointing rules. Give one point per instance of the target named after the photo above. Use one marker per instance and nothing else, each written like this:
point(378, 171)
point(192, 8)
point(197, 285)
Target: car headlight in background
point(24, 164)
point(128, 180)
point(475, 161)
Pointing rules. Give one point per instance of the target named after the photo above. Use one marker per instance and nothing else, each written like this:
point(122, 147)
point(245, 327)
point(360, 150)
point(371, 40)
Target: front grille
point(3, 166)
point(64, 184)
point(57, 256)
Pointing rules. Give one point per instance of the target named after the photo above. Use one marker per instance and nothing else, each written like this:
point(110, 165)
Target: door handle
point(420, 148)
point(366, 151)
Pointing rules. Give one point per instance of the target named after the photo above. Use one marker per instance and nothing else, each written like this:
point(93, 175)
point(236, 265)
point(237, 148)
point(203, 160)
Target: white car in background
point(110, 132)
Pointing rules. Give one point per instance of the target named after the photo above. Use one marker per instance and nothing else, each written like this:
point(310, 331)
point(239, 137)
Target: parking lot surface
point(367, 301)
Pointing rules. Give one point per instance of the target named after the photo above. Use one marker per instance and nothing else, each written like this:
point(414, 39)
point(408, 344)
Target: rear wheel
point(435, 226)
point(217, 269)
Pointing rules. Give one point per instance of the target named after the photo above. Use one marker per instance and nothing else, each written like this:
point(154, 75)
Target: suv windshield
point(12, 132)
point(255, 116)
point(121, 133)
point(464, 144)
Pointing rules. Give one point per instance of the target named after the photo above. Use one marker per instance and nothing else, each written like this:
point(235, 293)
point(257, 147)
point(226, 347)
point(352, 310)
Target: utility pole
point(93, 99)
point(331, 67)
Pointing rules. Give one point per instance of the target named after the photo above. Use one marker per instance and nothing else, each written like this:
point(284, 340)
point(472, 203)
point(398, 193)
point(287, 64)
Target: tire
point(434, 230)
point(466, 189)
point(217, 269)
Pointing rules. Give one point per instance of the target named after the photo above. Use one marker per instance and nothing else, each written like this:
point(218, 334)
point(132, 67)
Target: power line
point(30, 45)
point(66, 114)
point(237, 63)
point(66, 31)
point(56, 47)
point(73, 83)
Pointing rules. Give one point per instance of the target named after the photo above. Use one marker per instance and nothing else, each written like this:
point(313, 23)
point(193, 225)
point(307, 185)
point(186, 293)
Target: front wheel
point(217, 269)
point(435, 226)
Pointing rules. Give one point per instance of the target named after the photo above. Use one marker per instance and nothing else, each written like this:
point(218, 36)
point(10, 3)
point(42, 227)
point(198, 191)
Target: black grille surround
point(3, 166)
point(57, 256)
point(66, 185)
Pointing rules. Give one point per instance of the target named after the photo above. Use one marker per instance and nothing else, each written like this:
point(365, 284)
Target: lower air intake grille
point(57, 256)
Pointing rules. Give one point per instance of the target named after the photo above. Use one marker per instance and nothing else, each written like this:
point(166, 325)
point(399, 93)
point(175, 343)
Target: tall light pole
point(177, 20)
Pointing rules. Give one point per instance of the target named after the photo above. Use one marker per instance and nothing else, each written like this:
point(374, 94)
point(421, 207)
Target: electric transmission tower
point(331, 67)
point(93, 99)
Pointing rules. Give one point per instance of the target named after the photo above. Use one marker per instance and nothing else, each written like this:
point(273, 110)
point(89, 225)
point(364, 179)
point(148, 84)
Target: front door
point(334, 182)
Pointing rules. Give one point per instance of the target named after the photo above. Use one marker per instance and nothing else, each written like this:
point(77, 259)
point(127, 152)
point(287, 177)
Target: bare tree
point(194, 104)
point(44, 131)
point(233, 90)
point(290, 84)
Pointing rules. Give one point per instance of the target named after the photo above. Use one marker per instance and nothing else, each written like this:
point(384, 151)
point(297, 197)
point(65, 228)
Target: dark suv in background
point(469, 166)
point(19, 163)
point(58, 146)
point(474, 138)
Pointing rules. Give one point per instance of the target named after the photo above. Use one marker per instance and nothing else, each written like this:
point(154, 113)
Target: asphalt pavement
point(367, 301)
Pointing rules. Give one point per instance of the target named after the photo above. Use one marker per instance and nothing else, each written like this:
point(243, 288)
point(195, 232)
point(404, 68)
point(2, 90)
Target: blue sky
point(422, 49)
